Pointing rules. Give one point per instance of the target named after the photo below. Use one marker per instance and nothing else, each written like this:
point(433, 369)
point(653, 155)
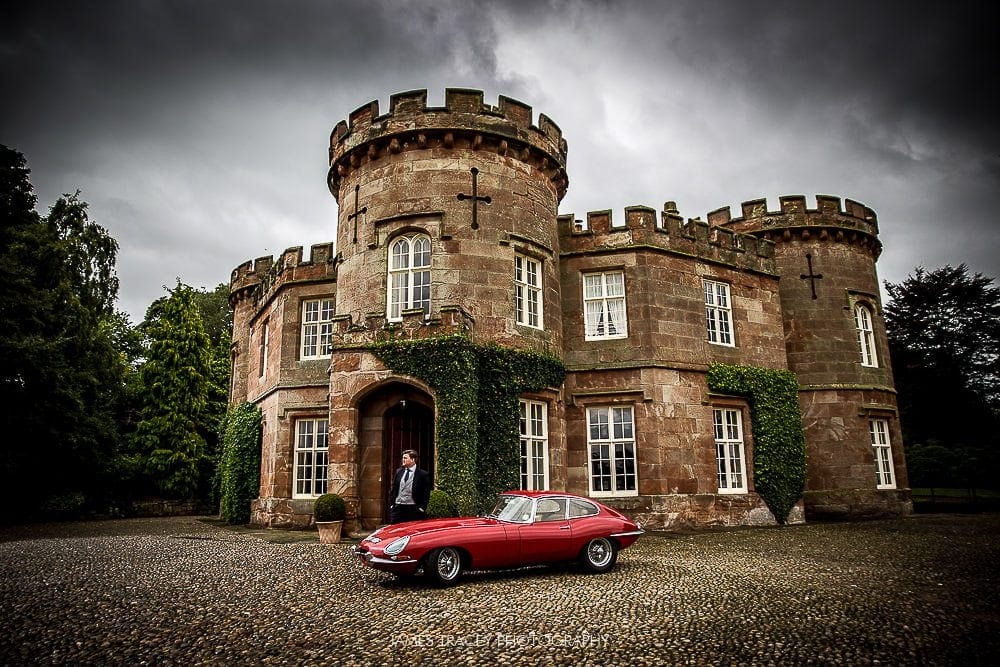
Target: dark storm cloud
point(197, 130)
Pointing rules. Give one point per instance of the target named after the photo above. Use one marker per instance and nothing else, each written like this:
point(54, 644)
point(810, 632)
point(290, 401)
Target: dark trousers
point(400, 513)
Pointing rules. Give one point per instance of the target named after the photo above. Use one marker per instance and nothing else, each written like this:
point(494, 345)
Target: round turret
point(439, 205)
point(836, 346)
point(826, 258)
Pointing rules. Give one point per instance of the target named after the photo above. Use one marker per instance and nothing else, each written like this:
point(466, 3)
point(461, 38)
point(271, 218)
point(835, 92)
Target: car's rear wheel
point(599, 555)
point(444, 566)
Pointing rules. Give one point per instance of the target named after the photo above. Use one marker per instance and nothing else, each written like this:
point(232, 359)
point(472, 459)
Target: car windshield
point(513, 508)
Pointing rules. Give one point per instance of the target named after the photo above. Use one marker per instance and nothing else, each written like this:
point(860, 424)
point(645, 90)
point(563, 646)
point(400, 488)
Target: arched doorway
point(393, 418)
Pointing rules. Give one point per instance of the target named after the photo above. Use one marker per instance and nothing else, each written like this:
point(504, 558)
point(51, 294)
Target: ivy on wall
point(239, 463)
point(779, 457)
point(477, 386)
point(504, 375)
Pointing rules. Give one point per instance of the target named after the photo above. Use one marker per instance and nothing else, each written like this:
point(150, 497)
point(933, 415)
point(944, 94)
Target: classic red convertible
point(525, 528)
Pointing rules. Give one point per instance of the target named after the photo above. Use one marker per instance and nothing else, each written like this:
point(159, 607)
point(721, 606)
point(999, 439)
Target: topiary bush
point(440, 505)
point(329, 507)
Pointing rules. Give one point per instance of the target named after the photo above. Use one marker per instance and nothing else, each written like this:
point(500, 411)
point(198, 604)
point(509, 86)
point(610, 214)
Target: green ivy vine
point(239, 464)
point(779, 458)
point(477, 386)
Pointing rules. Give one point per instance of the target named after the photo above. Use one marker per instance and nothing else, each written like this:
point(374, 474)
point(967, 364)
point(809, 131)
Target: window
point(528, 291)
point(409, 275)
point(718, 313)
point(550, 509)
point(580, 508)
point(311, 457)
point(604, 304)
point(866, 335)
point(317, 328)
point(534, 446)
point(729, 451)
point(878, 429)
point(611, 438)
point(263, 348)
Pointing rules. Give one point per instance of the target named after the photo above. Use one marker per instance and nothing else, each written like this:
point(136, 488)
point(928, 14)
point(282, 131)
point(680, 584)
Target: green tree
point(944, 335)
point(61, 377)
point(217, 317)
point(175, 383)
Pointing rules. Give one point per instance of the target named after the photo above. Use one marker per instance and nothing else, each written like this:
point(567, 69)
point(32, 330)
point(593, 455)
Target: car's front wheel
point(599, 555)
point(444, 565)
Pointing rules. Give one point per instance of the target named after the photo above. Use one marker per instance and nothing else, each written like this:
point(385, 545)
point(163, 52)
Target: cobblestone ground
point(184, 591)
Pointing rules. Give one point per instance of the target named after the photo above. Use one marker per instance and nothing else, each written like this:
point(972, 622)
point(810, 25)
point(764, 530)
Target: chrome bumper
point(367, 558)
point(631, 533)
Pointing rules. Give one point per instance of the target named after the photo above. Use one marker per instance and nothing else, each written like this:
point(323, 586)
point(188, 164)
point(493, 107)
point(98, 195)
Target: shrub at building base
point(329, 511)
point(440, 505)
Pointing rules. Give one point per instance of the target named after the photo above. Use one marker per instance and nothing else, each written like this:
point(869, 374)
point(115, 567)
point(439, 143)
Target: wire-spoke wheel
point(444, 565)
point(599, 554)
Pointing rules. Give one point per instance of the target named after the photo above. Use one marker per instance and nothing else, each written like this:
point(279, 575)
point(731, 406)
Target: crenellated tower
point(836, 345)
point(473, 185)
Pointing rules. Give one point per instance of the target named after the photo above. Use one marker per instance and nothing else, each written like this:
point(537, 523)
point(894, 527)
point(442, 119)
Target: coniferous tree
point(174, 383)
point(217, 316)
point(944, 334)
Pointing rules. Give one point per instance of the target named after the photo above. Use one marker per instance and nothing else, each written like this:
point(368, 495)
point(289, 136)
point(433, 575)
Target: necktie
point(406, 476)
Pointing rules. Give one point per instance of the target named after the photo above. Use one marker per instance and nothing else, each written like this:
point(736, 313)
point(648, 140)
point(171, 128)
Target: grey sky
point(198, 131)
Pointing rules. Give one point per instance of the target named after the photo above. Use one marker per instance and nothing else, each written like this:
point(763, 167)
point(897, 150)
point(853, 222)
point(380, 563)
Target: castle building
point(448, 224)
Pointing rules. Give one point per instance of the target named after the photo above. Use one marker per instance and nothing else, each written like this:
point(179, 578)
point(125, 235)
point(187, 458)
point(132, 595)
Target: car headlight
point(397, 546)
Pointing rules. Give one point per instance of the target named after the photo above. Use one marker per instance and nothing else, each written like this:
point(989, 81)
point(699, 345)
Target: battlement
point(642, 228)
point(257, 278)
point(793, 212)
point(465, 121)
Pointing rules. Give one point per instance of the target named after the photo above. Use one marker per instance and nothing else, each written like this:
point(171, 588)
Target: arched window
point(866, 334)
point(409, 275)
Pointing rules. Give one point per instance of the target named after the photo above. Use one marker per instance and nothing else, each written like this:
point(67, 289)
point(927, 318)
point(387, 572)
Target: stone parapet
point(642, 228)
point(260, 278)
point(851, 222)
point(415, 325)
point(465, 121)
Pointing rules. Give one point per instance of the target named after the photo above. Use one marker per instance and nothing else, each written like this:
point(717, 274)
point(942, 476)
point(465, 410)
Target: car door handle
point(563, 527)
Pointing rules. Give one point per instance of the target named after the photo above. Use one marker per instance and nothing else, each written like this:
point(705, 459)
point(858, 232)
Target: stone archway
point(391, 419)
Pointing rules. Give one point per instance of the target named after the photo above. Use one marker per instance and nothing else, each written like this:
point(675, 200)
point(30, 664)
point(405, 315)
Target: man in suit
point(411, 491)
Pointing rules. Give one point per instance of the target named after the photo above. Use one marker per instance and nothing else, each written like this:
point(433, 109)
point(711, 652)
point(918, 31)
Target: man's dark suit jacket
point(421, 487)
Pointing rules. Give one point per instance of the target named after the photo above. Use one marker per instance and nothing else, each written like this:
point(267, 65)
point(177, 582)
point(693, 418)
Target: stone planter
point(329, 531)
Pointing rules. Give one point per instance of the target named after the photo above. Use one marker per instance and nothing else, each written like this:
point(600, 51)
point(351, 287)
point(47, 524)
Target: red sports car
point(525, 528)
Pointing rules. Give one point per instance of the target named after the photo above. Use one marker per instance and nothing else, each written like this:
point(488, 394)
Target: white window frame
point(611, 447)
point(311, 458)
point(534, 445)
point(730, 451)
point(863, 319)
point(409, 281)
point(604, 301)
point(718, 312)
point(528, 292)
point(317, 329)
point(878, 431)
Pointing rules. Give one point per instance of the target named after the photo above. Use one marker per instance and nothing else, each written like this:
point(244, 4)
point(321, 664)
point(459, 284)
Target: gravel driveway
point(184, 591)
